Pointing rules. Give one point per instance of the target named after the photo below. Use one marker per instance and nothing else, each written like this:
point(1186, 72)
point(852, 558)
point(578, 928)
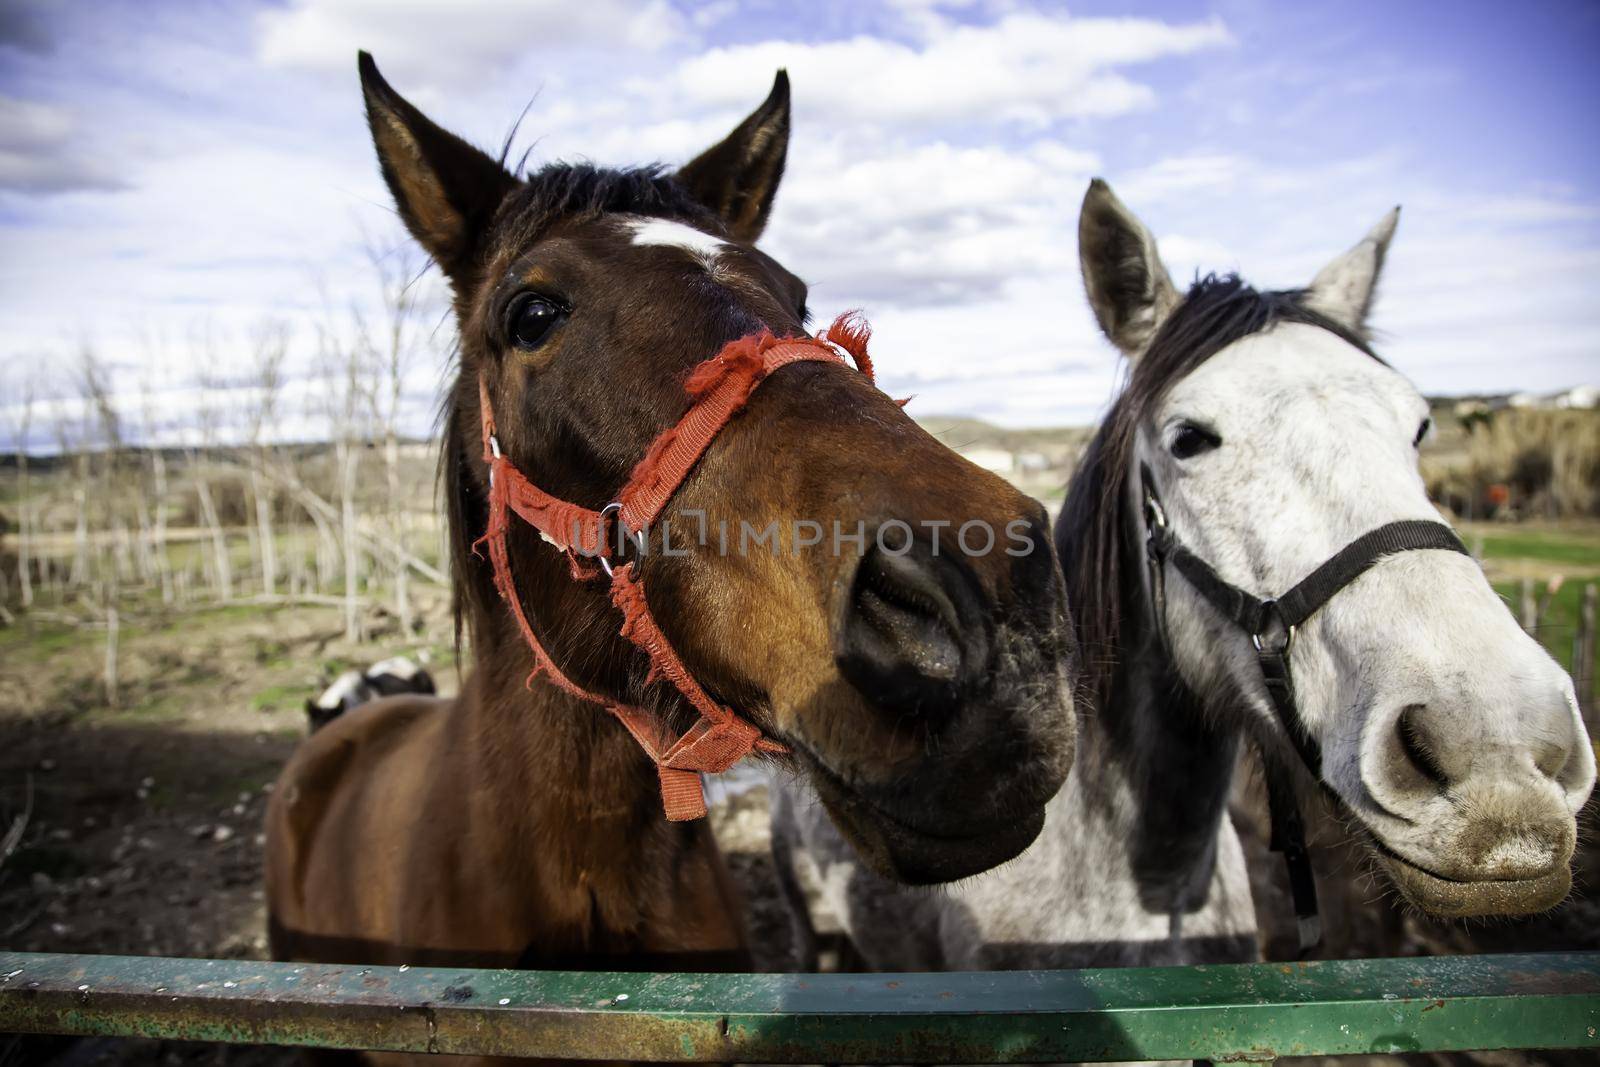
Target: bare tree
point(153, 496)
point(71, 442)
point(106, 454)
point(270, 344)
point(391, 350)
point(21, 429)
point(210, 390)
point(96, 389)
point(347, 405)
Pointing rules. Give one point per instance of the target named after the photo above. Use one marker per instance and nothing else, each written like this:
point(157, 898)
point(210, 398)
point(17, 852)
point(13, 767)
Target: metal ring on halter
point(613, 508)
point(1154, 514)
point(494, 451)
point(1288, 639)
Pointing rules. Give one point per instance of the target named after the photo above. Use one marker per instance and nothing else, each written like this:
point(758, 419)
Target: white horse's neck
point(1173, 766)
point(1137, 864)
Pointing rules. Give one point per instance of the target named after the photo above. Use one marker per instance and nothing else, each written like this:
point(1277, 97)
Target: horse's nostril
point(1554, 757)
point(912, 637)
point(901, 601)
point(1414, 743)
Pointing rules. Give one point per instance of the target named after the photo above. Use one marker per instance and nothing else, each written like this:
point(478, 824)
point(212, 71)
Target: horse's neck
point(1135, 865)
point(552, 759)
point(571, 807)
point(1160, 771)
point(564, 768)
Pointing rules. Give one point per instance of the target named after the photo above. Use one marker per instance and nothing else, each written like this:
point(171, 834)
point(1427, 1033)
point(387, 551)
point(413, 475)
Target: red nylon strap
point(720, 387)
point(495, 535)
point(571, 527)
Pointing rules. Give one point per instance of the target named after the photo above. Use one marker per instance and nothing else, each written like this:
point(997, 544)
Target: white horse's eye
point(1422, 432)
point(1191, 440)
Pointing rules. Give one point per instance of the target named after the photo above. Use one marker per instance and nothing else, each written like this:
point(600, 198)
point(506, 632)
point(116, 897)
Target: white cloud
point(1182, 176)
point(455, 44)
point(1026, 67)
point(39, 151)
point(928, 223)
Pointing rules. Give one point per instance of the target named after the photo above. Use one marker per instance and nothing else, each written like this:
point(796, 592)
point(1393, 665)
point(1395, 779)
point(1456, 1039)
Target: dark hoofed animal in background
point(926, 694)
point(386, 678)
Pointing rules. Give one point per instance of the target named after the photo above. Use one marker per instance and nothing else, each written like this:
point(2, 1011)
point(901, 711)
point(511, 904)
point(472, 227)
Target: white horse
point(1258, 438)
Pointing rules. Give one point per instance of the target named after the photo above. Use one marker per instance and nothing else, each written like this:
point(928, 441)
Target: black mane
point(1093, 538)
point(581, 190)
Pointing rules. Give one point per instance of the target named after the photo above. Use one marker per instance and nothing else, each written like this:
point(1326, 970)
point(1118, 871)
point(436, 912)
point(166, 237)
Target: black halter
point(1271, 624)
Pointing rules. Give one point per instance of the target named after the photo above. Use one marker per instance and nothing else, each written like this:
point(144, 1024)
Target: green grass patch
point(1580, 550)
point(239, 611)
point(278, 698)
point(1559, 625)
point(38, 639)
point(269, 653)
point(159, 706)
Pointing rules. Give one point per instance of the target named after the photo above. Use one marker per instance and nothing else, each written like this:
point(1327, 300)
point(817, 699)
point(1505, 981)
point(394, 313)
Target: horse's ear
point(1128, 286)
point(1343, 289)
point(738, 177)
point(447, 190)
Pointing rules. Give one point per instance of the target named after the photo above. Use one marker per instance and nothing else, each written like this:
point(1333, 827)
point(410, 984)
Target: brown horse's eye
point(1191, 440)
point(531, 320)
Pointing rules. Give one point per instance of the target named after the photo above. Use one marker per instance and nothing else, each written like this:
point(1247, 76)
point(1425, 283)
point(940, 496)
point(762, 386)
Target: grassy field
point(1542, 553)
point(1576, 548)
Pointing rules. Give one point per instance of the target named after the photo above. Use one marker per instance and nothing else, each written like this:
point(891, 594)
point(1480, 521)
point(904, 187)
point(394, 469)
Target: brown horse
point(923, 691)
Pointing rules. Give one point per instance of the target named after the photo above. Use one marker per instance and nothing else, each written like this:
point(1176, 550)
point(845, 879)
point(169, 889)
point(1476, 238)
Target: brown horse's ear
point(446, 189)
point(1128, 286)
point(738, 177)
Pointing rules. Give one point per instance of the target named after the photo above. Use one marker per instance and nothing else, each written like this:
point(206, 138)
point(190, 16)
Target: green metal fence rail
point(1223, 1013)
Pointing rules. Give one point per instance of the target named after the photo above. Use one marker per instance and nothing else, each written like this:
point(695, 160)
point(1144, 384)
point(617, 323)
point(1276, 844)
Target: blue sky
point(173, 175)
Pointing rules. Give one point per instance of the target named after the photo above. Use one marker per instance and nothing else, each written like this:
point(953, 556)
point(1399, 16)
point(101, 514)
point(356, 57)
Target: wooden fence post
point(112, 627)
point(1583, 655)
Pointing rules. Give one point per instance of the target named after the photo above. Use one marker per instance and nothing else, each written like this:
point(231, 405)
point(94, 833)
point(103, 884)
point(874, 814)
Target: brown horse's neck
point(563, 768)
point(571, 812)
point(566, 804)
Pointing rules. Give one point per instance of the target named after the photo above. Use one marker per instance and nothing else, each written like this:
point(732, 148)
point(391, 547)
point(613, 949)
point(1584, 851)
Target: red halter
point(718, 389)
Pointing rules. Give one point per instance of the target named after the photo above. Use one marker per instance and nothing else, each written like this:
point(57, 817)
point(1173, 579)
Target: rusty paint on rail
point(1238, 1013)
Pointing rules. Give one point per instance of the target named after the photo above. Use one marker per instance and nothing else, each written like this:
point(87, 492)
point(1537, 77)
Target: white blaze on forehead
point(679, 235)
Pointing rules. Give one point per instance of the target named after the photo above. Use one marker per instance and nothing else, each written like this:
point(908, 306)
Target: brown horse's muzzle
point(975, 674)
point(902, 631)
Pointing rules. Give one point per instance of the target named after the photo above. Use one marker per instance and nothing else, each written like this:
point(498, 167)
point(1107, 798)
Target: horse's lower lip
point(907, 852)
point(1458, 898)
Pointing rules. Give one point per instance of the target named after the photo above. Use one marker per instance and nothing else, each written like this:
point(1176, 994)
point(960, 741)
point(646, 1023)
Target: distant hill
point(962, 432)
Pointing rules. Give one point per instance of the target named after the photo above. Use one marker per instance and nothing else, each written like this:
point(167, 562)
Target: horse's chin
point(1450, 898)
point(894, 848)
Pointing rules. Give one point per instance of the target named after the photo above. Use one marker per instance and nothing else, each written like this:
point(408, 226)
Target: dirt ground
point(143, 832)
